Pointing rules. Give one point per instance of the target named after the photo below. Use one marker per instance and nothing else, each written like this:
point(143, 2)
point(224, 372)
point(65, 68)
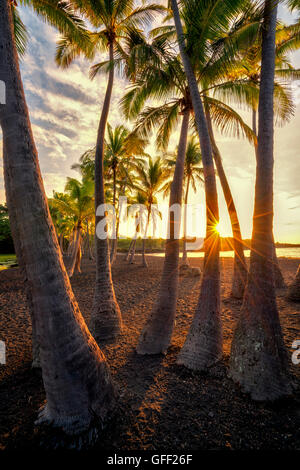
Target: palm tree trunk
point(75, 373)
point(91, 257)
point(156, 335)
point(61, 241)
point(294, 289)
point(278, 277)
point(132, 255)
point(106, 320)
point(36, 363)
point(144, 260)
point(254, 120)
point(184, 253)
point(240, 266)
point(137, 230)
point(76, 257)
point(129, 250)
point(71, 244)
point(258, 359)
point(113, 250)
point(203, 346)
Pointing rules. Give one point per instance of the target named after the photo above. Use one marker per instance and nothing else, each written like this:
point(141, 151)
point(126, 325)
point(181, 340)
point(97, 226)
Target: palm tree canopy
point(77, 201)
point(152, 174)
point(193, 170)
point(114, 22)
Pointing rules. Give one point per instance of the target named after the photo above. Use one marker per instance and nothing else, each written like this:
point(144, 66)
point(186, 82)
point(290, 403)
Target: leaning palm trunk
point(91, 257)
point(203, 346)
point(132, 254)
point(16, 237)
point(185, 260)
point(133, 246)
point(75, 374)
point(129, 250)
point(144, 259)
point(156, 335)
point(61, 243)
point(106, 321)
point(294, 289)
point(70, 249)
point(113, 251)
point(258, 360)
point(114, 247)
point(76, 257)
point(240, 267)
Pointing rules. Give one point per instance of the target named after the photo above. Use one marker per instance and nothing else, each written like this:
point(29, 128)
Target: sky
point(65, 106)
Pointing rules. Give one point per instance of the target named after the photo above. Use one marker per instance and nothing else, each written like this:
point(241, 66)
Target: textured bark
point(258, 360)
point(240, 267)
point(71, 244)
point(254, 119)
point(185, 260)
point(277, 274)
point(203, 346)
point(106, 320)
point(156, 335)
point(76, 256)
point(114, 247)
point(113, 251)
point(129, 250)
point(61, 243)
point(13, 220)
point(144, 259)
point(75, 374)
point(91, 257)
point(294, 288)
point(132, 254)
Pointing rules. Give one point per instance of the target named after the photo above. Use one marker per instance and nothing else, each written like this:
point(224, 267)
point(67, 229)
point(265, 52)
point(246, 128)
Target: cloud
point(43, 81)
point(65, 107)
point(51, 126)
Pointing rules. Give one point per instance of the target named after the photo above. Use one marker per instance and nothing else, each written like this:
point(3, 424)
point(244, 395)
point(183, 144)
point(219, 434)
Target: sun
point(222, 229)
point(217, 228)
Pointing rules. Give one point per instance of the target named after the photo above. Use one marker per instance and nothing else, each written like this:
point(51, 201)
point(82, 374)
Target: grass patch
point(152, 244)
point(7, 260)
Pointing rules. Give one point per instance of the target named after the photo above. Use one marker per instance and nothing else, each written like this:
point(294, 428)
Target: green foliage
point(6, 241)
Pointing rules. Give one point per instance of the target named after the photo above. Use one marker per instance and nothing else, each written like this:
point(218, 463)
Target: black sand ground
point(162, 406)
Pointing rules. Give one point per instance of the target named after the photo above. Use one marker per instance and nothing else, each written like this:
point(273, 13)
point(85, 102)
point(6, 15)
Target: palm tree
point(248, 70)
point(151, 177)
point(75, 373)
point(156, 335)
point(240, 267)
point(138, 208)
point(62, 223)
point(63, 18)
point(258, 360)
point(121, 147)
point(115, 21)
point(77, 203)
point(217, 71)
point(193, 176)
point(162, 77)
point(203, 345)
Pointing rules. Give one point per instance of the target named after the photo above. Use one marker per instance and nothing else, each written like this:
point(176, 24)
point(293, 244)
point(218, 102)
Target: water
point(293, 252)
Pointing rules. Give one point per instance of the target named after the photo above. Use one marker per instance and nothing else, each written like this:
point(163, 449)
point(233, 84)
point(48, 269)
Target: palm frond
point(20, 32)
point(228, 121)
